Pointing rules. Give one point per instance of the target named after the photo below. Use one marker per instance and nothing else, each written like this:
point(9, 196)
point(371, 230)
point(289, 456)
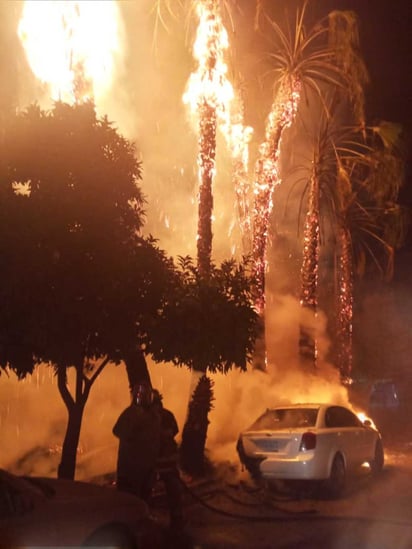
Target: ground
point(227, 510)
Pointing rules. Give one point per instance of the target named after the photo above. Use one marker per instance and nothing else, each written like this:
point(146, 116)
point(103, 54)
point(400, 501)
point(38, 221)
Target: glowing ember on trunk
point(282, 114)
point(345, 304)
point(310, 267)
point(71, 45)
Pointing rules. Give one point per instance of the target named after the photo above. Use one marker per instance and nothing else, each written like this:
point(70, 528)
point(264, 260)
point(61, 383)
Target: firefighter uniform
point(138, 431)
point(167, 463)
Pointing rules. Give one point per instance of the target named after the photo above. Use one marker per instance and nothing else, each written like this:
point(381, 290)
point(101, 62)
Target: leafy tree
point(209, 325)
point(80, 284)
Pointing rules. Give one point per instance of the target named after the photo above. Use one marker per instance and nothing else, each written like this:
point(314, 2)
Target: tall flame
point(71, 45)
point(212, 100)
point(209, 82)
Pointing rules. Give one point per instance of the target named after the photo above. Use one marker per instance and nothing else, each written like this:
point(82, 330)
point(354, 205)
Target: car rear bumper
point(303, 467)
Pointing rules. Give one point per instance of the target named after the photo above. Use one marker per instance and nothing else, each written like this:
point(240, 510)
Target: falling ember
point(238, 137)
point(71, 45)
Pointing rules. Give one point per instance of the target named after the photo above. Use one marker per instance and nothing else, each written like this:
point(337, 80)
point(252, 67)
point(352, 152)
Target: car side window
point(331, 417)
point(337, 416)
point(349, 418)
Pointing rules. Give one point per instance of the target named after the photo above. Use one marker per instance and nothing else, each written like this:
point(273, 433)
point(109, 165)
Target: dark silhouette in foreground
point(138, 431)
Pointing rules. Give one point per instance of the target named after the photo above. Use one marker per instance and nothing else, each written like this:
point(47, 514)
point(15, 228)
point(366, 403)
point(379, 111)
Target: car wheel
point(336, 482)
point(378, 460)
point(115, 536)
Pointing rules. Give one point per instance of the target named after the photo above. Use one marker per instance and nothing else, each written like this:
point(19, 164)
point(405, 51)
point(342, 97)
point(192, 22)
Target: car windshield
point(286, 418)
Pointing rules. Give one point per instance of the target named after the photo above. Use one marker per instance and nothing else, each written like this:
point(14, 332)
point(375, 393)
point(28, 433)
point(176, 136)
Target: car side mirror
point(367, 423)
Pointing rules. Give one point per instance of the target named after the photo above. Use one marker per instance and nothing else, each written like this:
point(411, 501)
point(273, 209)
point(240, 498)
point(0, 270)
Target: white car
point(46, 512)
point(310, 442)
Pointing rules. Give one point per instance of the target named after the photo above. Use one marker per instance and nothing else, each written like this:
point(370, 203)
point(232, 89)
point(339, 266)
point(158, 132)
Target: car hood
point(57, 512)
point(67, 490)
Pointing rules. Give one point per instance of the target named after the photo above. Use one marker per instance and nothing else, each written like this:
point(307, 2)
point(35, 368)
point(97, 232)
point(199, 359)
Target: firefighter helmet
point(142, 394)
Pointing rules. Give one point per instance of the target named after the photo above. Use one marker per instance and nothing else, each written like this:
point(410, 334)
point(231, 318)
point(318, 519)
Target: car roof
point(301, 405)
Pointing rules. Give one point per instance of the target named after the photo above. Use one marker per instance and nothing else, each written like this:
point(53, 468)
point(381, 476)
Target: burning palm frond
point(163, 10)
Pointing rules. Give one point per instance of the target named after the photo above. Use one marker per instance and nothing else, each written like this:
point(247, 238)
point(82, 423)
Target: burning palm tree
point(304, 62)
point(209, 94)
point(369, 222)
point(359, 183)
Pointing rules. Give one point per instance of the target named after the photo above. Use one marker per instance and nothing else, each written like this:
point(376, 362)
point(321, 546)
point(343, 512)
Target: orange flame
point(209, 93)
point(209, 83)
point(71, 45)
point(363, 417)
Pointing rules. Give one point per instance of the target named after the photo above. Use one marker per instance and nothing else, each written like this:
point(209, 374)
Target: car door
point(341, 424)
point(359, 439)
point(363, 437)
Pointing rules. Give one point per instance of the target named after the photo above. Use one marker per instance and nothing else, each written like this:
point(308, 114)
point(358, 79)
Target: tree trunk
point(207, 153)
point(67, 465)
point(194, 434)
point(310, 276)
point(281, 116)
point(136, 367)
point(344, 304)
point(260, 355)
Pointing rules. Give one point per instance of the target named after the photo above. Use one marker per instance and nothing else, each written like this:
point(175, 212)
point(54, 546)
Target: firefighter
point(167, 462)
point(138, 431)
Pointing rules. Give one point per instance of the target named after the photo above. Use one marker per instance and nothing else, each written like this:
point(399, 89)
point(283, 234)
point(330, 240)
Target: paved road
point(375, 513)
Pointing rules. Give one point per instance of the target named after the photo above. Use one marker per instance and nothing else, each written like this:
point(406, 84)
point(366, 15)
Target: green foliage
point(208, 323)
point(78, 280)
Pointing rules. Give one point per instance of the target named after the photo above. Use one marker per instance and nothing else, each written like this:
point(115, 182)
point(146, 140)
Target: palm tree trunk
point(267, 178)
point(345, 303)
point(310, 273)
point(194, 433)
point(207, 154)
point(207, 112)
